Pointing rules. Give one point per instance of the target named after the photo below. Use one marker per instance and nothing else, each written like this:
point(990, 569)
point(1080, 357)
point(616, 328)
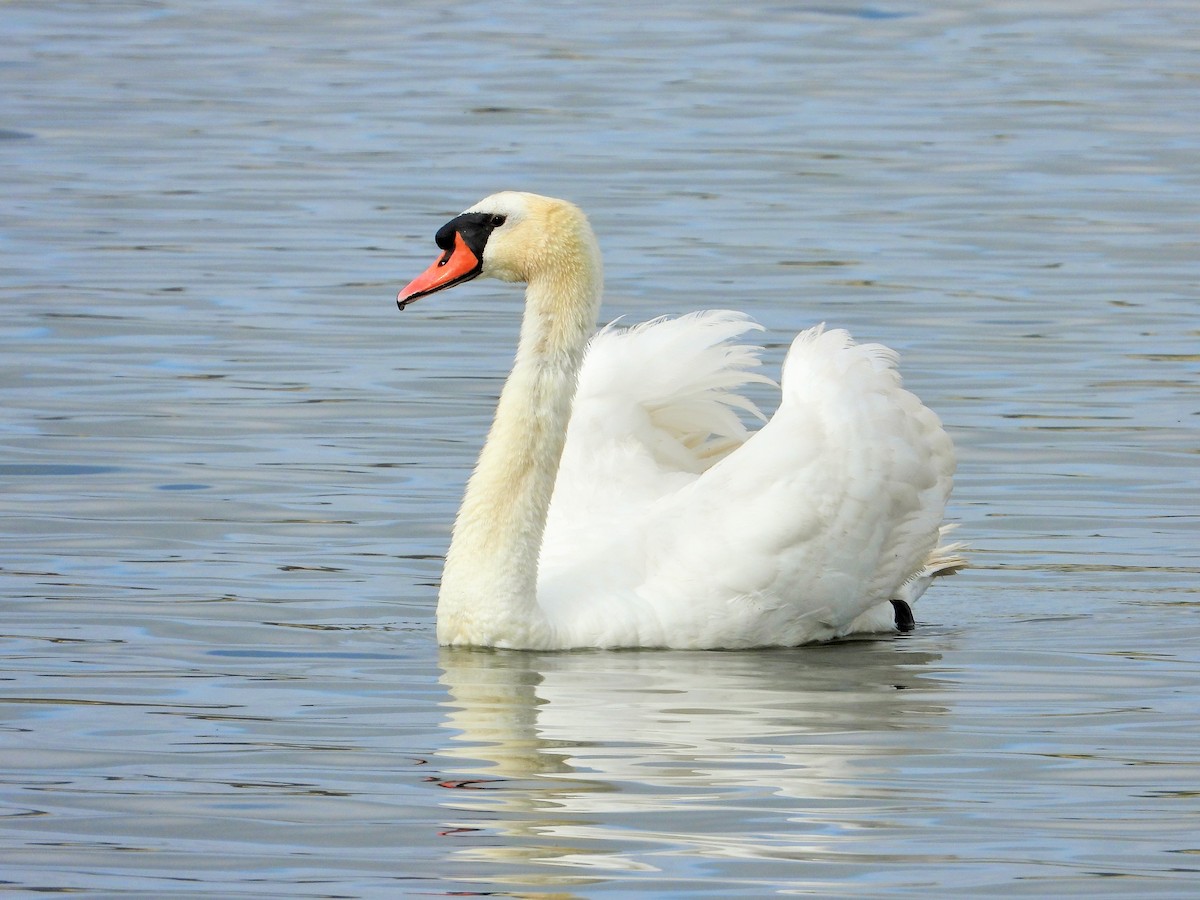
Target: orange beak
point(456, 265)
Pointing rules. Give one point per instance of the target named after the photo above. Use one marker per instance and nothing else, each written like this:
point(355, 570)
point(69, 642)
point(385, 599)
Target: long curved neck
point(489, 585)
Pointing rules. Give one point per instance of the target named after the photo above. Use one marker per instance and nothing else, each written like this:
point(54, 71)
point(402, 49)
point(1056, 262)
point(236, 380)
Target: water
point(229, 465)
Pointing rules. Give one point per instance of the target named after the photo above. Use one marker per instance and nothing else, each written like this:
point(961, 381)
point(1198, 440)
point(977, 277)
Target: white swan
point(620, 502)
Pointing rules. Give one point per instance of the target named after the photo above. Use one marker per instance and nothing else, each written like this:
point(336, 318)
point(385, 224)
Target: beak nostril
point(445, 237)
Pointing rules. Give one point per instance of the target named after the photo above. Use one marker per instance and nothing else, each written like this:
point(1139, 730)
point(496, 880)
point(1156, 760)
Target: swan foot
point(904, 616)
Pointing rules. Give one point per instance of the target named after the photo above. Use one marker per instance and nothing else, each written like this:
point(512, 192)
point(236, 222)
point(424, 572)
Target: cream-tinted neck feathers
point(489, 585)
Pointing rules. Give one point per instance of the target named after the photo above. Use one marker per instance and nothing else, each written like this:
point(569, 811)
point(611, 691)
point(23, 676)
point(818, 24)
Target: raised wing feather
point(656, 405)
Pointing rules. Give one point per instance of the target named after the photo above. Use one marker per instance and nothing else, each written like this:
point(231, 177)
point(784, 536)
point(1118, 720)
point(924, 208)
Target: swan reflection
point(602, 760)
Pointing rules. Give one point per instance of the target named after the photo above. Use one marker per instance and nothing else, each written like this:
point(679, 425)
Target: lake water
point(228, 465)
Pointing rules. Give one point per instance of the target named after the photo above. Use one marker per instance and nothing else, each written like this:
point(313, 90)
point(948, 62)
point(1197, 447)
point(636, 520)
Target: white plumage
point(621, 501)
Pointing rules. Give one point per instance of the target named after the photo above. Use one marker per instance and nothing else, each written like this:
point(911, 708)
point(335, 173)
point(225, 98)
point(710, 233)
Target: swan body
point(620, 501)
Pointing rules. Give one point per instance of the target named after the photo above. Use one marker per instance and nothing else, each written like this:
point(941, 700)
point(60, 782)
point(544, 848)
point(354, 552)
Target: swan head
point(512, 236)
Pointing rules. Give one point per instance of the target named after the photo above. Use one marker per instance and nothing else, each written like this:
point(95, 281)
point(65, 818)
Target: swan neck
point(489, 585)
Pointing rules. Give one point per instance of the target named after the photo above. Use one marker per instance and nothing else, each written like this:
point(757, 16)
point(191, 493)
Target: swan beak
point(456, 265)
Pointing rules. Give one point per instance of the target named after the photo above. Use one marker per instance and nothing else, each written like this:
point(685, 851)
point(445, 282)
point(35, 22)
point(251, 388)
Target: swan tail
point(944, 560)
point(948, 559)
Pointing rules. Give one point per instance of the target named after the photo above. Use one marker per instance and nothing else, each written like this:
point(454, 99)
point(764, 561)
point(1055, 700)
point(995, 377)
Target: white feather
point(796, 531)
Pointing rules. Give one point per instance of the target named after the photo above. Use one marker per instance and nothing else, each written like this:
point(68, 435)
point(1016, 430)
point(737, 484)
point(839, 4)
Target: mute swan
point(620, 502)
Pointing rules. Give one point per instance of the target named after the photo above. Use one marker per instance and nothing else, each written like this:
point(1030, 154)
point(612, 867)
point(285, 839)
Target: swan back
point(821, 515)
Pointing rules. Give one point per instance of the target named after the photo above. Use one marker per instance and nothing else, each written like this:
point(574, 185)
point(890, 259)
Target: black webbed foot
point(904, 616)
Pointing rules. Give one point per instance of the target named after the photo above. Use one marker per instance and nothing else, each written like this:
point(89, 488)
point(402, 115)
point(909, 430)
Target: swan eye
point(497, 221)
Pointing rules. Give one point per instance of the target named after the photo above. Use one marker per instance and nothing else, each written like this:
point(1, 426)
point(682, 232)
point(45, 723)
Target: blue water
point(228, 466)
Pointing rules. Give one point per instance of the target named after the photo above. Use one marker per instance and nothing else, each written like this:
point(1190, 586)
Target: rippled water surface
point(228, 466)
